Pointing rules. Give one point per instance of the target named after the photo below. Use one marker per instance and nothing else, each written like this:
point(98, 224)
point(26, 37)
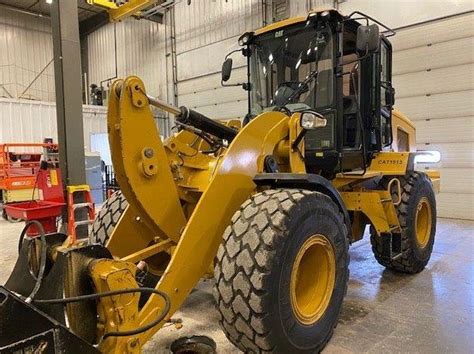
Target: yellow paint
point(53, 175)
point(230, 186)
point(119, 312)
point(376, 205)
point(312, 279)
point(78, 188)
point(20, 195)
point(423, 221)
point(122, 11)
point(132, 131)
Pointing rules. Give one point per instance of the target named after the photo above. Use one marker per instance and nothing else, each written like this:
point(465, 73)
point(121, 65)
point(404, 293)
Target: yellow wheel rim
point(423, 222)
point(312, 279)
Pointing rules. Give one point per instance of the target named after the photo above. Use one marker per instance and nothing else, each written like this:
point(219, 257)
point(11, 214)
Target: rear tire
point(107, 218)
point(417, 217)
point(282, 272)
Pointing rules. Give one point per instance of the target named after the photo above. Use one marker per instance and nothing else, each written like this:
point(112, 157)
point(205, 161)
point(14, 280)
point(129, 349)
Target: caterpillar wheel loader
point(268, 206)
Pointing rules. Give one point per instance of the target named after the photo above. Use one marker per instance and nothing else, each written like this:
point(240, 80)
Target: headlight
point(312, 120)
point(245, 38)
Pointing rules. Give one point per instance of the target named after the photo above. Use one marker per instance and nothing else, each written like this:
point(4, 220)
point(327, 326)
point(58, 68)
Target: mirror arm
point(232, 52)
point(298, 139)
point(391, 31)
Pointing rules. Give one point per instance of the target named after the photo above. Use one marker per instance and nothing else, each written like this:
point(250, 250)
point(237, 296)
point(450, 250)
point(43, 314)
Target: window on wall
point(280, 10)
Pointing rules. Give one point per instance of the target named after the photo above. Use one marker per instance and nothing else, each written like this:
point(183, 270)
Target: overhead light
point(49, 1)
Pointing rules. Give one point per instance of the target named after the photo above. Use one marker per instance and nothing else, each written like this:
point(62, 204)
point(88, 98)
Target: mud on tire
point(415, 187)
point(254, 266)
point(107, 218)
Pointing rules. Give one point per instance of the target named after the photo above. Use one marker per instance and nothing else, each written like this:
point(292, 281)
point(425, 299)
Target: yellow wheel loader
point(268, 206)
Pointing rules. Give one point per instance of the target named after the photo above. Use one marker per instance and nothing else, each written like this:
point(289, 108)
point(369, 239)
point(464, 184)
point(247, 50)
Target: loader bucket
point(25, 329)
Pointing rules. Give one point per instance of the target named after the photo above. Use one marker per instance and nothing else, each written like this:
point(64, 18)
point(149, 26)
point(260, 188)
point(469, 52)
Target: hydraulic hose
point(39, 278)
point(133, 332)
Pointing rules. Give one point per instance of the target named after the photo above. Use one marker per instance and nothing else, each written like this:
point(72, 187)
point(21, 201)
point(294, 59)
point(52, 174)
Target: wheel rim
point(423, 222)
point(312, 279)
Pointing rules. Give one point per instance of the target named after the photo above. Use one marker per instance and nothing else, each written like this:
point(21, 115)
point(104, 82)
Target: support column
point(68, 84)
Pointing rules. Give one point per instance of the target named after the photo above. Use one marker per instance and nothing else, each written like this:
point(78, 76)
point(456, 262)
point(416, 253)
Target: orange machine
point(19, 165)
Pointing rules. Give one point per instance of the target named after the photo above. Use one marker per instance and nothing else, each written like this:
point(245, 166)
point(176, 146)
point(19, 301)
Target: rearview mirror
point(367, 39)
point(226, 69)
point(390, 96)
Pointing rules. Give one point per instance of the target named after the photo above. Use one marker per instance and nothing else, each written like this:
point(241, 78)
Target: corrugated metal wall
point(26, 121)
point(25, 49)
point(140, 48)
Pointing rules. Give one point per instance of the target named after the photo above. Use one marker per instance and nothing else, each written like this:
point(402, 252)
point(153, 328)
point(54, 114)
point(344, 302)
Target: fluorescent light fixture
point(427, 157)
point(49, 1)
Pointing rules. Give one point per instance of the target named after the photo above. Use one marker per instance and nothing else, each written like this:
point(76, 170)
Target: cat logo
point(278, 34)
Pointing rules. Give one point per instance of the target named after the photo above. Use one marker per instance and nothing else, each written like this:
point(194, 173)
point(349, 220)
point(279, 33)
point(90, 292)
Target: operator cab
point(330, 64)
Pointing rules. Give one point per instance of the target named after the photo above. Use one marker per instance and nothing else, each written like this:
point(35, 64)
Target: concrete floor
point(384, 312)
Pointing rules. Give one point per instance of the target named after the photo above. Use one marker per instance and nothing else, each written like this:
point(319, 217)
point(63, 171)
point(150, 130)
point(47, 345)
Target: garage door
point(433, 68)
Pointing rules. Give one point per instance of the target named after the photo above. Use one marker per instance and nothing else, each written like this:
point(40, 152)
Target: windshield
point(298, 59)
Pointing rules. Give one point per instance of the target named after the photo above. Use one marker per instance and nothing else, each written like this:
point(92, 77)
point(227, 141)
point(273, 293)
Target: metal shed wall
point(138, 46)
point(26, 48)
point(26, 121)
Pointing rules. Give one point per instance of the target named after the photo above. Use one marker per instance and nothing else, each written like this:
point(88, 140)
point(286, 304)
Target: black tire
point(254, 265)
point(415, 187)
point(107, 218)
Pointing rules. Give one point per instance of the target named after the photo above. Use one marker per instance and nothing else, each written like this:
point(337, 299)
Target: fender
point(308, 181)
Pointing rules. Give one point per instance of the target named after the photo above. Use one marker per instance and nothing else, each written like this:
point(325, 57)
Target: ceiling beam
point(93, 23)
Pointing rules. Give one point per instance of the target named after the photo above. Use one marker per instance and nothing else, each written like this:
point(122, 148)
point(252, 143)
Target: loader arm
point(132, 131)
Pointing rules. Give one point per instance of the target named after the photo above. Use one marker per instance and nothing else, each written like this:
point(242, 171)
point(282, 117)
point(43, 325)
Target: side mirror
point(367, 39)
point(390, 96)
point(226, 69)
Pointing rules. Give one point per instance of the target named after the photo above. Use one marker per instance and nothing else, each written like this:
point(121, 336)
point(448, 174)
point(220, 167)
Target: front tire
point(282, 272)
point(107, 218)
point(417, 217)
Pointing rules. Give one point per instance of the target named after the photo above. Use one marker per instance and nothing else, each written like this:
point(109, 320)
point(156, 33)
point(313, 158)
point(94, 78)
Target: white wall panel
point(397, 13)
point(26, 121)
point(210, 82)
point(25, 49)
point(140, 51)
point(434, 32)
point(457, 180)
point(214, 96)
point(207, 59)
point(448, 79)
point(455, 205)
point(434, 56)
point(443, 105)
point(445, 130)
point(230, 110)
